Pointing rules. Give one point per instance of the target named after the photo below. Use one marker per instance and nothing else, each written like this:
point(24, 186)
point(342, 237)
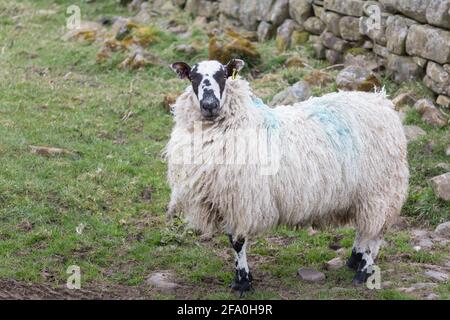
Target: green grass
point(53, 93)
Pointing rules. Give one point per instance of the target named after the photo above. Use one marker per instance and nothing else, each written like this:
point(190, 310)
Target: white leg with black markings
point(243, 279)
point(363, 258)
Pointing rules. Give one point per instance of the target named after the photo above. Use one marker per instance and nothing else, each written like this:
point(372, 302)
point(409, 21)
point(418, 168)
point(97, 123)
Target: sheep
point(335, 160)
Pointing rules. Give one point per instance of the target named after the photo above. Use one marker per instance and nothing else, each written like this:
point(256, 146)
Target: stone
point(298, 92)
point(447, 264)
point(424, 285)
point(349, 28)
point(430, 114)
point(436, 275)
point(437, 73)
point(279, 12)
point(333, 56)
point(396, 32)
point(389, 5)
point(403, 99)
point(402, 68)
point(300, 10)
point(202, 8)
point(357, 78)
point(419, 233)
point(413, 133)
point(415, 9)
point(162, 281)
point(319, 51)
point(332, 42)
point(446, 67)
point(248, 14)
point(265, 31)
point(377, 34)
point(318, 10)
point(299, 37)
point(443, 165)
point(443, 101)
point(439, 88)
point(346, 7)
point(263, 9)
point(334, 264)
point(438, 13)
point(367, 44)
point(426, 243)
point(429, 43)
point(443, 230)
point(432, 296)
point(310, 275)
point(380, 50)
point(314, 25)
point(284, 34)
point(331, 20)
point(421, 62)
point(230, 8)
point(368, 61)
point(441, 186)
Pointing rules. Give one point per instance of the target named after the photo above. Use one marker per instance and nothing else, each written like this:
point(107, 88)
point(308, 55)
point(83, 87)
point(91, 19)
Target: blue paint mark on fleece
point(336, 127)
point(270, 119)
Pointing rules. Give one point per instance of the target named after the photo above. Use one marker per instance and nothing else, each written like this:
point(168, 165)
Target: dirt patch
point(20, 290)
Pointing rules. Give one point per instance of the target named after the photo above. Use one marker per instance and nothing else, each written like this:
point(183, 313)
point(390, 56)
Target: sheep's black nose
point(210, 105)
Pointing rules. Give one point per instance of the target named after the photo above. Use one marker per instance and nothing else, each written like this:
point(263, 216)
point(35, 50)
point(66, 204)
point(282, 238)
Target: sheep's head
point(208, 79)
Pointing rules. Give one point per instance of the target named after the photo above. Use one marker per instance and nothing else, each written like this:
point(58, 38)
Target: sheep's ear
point(234, 64)
point(182, 69)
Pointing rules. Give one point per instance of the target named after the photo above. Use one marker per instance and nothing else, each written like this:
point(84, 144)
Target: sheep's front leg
point(243, 279)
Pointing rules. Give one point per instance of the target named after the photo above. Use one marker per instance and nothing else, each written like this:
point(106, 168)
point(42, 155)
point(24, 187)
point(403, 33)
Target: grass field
point(53, 93)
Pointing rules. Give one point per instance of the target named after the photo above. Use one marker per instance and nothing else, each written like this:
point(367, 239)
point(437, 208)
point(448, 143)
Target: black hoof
point(242, 283)
point(360, 278)
point(242, 287)
point(354, 260)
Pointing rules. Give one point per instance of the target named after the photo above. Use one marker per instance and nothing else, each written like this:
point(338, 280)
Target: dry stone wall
point(410, 37)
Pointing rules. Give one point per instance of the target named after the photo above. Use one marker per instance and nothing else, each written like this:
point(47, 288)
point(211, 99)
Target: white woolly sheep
point(334, 160)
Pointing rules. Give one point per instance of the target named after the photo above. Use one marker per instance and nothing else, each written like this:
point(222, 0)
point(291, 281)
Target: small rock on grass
point(403, 99)
point(163, 281)
point(413, 133)
point(426, 243)
point(357, 78)
point(432, 296)
point(441, 187)
point(436, 275)
point(430, 114)
point(298, 92)
point(310, 275)
point(334, 264)
point(424, 285)
point(443, 229)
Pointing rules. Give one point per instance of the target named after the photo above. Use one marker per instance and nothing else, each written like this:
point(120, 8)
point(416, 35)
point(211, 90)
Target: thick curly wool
point(341, 159)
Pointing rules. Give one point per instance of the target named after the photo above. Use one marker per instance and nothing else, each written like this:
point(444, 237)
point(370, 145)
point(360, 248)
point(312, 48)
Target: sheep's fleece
point(341, 158)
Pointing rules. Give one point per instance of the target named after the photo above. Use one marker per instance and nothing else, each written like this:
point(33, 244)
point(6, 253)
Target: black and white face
point(208, 80)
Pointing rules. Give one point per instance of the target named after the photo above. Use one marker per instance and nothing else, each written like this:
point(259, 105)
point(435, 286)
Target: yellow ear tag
point(233, 76)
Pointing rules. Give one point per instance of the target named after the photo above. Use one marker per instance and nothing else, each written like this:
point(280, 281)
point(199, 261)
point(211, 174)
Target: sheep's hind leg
point(367, 250)
point(243, 279)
